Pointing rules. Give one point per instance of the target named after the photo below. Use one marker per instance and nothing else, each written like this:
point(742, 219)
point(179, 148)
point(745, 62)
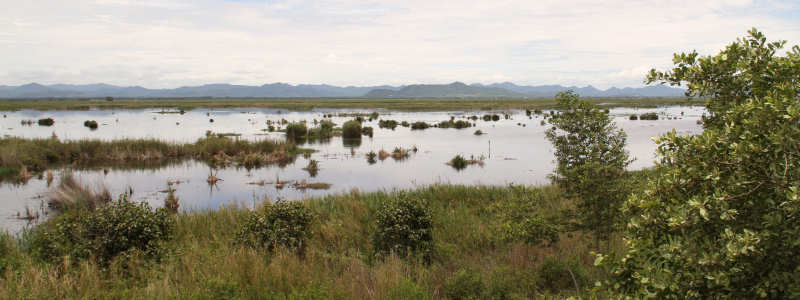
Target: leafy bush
point(282, 224)
point(104, 233)
point(404, 228)
point(46, 122)
point(721, 219)
point(296, 130)
point(591, 161)
point(633, 117)
point(464, 284)
point(351, 129)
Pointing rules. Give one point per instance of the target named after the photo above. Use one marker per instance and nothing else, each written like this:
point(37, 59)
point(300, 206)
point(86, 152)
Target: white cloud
point(168, 43)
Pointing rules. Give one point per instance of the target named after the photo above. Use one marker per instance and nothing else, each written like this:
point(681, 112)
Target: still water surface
point(515, 152)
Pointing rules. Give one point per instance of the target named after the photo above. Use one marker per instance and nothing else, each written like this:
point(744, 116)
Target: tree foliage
point(721, 221)
point(591, 161)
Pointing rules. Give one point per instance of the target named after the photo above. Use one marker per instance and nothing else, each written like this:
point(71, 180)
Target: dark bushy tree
point(591, 161)
point(722, 219)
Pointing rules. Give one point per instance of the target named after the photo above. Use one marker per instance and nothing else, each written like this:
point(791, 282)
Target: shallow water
point(513, 153)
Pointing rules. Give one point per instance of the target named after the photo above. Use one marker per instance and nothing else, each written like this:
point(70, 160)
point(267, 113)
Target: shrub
point(479, 132)
point(367, 131)
point(464, 284)
point(404, 228)
point(405, 124)
point(296, 130)
point(720, 220)
point(521, 219)
point(391, 124)
point(351, 129)
point(371, 157)
point(46, 122)
point(633, 117)
point(419, 125)
point(92, 124)
point(591, 160)
point(648, 116)
point(282, 224)
point(458, 162)
point(104, 233)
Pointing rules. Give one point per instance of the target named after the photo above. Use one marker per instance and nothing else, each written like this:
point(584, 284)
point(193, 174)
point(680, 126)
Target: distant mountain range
point(283, 90)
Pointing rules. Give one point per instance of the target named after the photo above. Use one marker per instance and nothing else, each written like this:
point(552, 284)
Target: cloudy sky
point(171, 43)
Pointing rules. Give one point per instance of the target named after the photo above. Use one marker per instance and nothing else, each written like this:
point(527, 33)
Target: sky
point(173, 43)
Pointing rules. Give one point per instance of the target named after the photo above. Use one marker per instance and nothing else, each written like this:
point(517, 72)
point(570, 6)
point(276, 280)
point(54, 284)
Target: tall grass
point(36, 155)
point(339, 261)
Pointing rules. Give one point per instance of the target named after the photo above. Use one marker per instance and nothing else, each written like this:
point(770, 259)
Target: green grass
point(300, 104)
point(339, 261)
point(37, 155)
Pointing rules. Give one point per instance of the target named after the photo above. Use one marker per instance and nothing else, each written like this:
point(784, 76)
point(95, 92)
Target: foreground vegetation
point(483, 242)
point(21, 158)
point(309, 104)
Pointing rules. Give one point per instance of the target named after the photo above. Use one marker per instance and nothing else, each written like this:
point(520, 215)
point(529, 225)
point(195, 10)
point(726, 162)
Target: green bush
point(296, 130)
point(351, 129)
point(282, 224)
point(464, 284)
point(104, 233)
point(720, 219)
point(404, 228)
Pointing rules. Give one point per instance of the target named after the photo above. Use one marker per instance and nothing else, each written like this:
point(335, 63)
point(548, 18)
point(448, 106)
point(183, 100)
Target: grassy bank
point(24, 157)
point(477, 250)
point(437, 104)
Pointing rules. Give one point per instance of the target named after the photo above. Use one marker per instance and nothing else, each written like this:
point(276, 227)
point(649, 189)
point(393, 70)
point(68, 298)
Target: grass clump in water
point(419, 125)
point(648, 116)
point(390, 124)
point(91, 124)
point(312, 167)
point(459, 162)
point(296, 130)
point(368, 131)
point(46, 122)
point(351, 129)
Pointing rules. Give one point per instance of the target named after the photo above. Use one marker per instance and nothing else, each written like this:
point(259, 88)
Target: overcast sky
point(171, 43)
